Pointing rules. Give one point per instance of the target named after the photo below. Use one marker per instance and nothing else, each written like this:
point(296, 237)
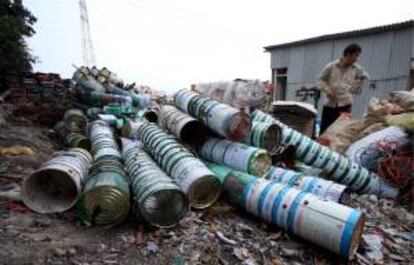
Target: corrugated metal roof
point(348, 34)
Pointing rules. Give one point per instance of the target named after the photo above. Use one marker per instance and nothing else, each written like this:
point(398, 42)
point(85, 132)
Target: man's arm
point(362, 79)
point(323, 80)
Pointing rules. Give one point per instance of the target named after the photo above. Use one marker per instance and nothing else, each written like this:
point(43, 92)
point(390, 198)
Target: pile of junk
point(127, 152)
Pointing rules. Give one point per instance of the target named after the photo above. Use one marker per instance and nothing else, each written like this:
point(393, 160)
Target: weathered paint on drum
point(328, 224)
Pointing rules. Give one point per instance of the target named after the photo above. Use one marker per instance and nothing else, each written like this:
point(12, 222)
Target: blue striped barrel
point(333, 226)
point(323, 189)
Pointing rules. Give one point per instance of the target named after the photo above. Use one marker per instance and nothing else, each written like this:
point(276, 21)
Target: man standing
point(340, 80)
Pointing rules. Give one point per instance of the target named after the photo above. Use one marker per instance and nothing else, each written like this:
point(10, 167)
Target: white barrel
point(264, 135)
point(237, 156)
point(333, 226)
point(323, 189)
point(57, 185)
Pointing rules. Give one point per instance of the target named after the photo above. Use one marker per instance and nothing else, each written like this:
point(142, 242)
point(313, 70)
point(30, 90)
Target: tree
point(16, 24)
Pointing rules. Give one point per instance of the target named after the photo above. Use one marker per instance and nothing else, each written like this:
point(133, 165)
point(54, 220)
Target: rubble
point(220, 234)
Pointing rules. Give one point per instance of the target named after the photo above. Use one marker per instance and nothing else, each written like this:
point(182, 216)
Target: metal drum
point(323, 189)
point(338, 168)
point(156, 197)
point(333, 226)
point(183, 126)
point(223, 119)
point(140, 101)
point(57, 185)
point(75, 116)
point(264, 135)
point(200, 185)
point(105, 200)
point(237, 156)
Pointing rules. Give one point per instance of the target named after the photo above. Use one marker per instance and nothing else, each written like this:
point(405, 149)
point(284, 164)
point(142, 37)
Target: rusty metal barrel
point(105, 200)
point(57, 184)
point(200, 185)
point(156, 197)
point(75, 118)
point(237, 156)
point(189, 130)
point(223, 119)
point(333, 226)
point(336, 166)
point(265, 135)
point(71, 130)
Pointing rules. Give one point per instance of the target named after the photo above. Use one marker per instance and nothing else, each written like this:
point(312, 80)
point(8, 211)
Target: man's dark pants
point(330, 114)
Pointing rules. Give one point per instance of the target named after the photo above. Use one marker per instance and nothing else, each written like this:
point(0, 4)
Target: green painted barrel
point(156, 197)
point(200, 185)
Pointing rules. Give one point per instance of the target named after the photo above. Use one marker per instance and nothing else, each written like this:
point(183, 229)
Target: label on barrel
point(326, 223)
point(188, 172)
point(219, 119)
point(238, 155)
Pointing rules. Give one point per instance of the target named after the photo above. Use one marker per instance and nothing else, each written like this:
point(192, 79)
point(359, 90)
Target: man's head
point(351, 54)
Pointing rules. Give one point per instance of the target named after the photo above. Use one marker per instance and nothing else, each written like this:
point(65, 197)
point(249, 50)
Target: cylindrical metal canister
point(130, 129)
point(140, 101)
point(75, 118)
point(182, 125)
point(265, 135)
point(93, 112)
point(102, 99)
point(237, 156)
point(88, 83)
point(330, 225)
point(338, 168)
point(156, 197)
point(150, 113)
point(105, 198)
point(223, 119)
point(199, 184)
point(323, 189)
point(56, 186)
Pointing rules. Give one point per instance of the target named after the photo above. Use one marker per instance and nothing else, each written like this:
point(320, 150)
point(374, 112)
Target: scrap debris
point(125, 145)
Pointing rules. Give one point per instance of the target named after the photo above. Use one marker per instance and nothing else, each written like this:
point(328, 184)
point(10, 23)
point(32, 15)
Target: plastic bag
point(404, 99)
point(405, 120)
point(342, 133)
point(239, 93)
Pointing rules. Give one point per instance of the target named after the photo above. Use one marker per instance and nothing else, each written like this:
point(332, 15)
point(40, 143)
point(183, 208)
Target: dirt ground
point(31, 238)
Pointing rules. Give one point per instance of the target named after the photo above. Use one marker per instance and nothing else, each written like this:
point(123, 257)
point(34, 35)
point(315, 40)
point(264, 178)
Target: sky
point(170, 44)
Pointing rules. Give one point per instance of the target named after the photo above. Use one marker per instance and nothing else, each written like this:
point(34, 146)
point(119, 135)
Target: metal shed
point(387, 54)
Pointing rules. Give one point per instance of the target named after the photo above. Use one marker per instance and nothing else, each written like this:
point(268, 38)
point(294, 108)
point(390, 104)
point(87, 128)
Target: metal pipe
point(57, 184)
point(223, 119)
point(199, 184)
point(156, 197)
point(237, 156)
point(337, 167)
point(189, 130)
